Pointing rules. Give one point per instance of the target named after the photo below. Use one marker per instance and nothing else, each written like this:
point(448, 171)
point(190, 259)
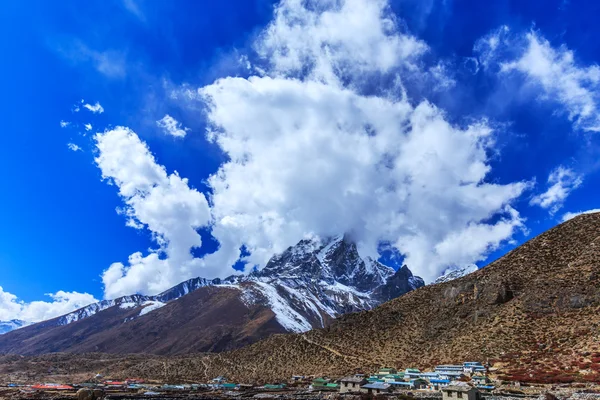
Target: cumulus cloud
point(64, 124)
point(95, 108)
point(315, 150)
point(571, 215)
point(553, 70)
point(321, 139)
point(73, 147)
point(172, 127)
point(62, 303)
point(154, 200)
point(88, 127)
point(561, 182)
point(330, 41)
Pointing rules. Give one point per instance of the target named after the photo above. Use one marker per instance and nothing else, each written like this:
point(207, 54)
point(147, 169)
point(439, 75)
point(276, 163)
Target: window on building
point(459, 395)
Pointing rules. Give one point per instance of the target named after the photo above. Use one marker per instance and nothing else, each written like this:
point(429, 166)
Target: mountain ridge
point(533, 314)
point(306, 286)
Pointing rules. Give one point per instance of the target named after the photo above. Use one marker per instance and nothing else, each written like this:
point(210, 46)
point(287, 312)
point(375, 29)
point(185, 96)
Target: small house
point(320, 383)
point(351, 384)
point(472, 367)
point(429, 375)
point(376, 388)
point(460, 392)
point(418, 383)
point(394, 377)
point(412, 373)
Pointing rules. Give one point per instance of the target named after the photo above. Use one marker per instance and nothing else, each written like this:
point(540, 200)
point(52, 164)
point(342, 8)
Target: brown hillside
point(208, 319)
point(534, 313)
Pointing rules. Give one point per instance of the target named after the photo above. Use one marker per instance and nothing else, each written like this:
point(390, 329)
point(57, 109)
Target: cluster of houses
point(447, 378)
point(457, 382)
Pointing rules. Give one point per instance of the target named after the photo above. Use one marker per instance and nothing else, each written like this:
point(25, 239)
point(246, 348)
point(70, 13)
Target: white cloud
point(561, 182)
point(134, 8)
point(64, 124)
point(164, 204)
point(73, 147)
point(110, 63)
point(88, 127)
point(62, 303)
point(311, 153)
point(571, 215)
point(330, 40)
point(95, 108)
point(554, 71)
point(172, 127)
point(322, 141)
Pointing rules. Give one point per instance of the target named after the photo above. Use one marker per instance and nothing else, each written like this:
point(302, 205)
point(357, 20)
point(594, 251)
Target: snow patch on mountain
point(455, 272)
point(287, 317)
point(150, 306)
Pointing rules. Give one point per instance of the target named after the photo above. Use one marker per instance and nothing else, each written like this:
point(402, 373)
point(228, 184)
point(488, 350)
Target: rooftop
point(377, 385)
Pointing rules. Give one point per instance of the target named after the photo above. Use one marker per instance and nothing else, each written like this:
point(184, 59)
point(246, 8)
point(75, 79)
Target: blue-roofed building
point(411, 384)
point(429, 375)
point(412, 373)
point(376, 388)
point(473, 367)
point(449, 368)
point(439, 383)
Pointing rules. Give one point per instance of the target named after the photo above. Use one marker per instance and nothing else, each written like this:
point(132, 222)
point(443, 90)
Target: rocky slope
point(305, 287)
point(534, 314)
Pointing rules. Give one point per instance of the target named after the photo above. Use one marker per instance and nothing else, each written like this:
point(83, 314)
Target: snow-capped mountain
point(455, 273)
point(7, 326)
point(305, 287)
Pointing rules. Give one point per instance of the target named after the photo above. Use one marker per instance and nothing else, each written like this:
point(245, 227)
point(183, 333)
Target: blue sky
point(474, 62)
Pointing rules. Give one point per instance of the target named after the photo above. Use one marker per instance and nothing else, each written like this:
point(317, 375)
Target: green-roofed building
point(320, 382)
point(228, 386)
point(394, 377)
point(277, 386)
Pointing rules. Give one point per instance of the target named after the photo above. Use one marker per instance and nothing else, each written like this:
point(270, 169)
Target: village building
point(376, 388)
point(412, 373)
point(352, 384)
point(410, 384)
point(320, 383)
point(276, 386)
point(472, 367)
point(443, 369)
point(393, 377)
point(437, 384)
point(460, 392)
